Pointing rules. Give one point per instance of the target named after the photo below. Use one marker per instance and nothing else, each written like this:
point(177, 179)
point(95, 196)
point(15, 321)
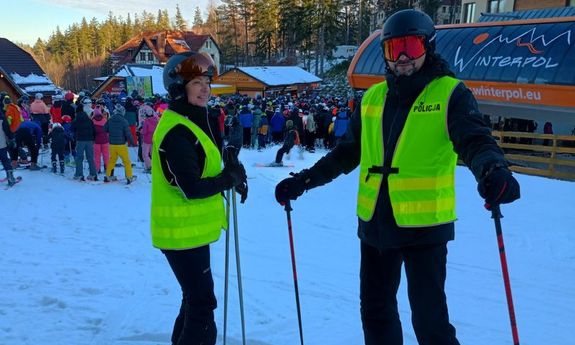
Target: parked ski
point(274, 165)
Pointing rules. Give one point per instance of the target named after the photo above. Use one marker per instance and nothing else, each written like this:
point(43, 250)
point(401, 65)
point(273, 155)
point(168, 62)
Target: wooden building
point(257, 81)
point(21, 75)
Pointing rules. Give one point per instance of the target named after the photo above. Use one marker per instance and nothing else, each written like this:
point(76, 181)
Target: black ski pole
point(288, 213)
point(496, 215)
point(227, 265)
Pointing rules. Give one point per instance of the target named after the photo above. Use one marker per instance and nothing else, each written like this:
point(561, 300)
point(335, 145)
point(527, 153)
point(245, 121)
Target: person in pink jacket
point(148, 128)
point(101, 140)
point(40, 113)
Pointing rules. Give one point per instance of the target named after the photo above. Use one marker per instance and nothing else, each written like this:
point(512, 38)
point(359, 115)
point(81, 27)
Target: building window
point(495, 6)
point(142, 56)
point(150, 56)
point(443, 9)
point(469, 12)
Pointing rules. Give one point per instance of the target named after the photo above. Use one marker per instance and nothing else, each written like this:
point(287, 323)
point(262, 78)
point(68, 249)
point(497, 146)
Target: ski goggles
point(411, 46)
point(197, 65)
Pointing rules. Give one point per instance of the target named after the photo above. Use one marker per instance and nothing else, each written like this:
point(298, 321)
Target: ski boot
point(11, 178)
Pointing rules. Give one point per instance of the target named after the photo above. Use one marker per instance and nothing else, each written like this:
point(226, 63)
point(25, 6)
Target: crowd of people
point(78, 128)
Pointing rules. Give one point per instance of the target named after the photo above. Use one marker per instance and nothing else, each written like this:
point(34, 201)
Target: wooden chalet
point(21, 75)
point(158, 46)
point(254, 81)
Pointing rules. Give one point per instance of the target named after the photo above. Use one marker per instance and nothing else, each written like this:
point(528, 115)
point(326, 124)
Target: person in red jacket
point(56, 109)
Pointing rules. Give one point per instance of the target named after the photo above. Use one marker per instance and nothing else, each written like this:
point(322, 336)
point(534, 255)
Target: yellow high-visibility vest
point(178, 222)
point(422, 190)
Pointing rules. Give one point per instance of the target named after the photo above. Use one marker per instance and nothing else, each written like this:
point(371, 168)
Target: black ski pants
point(25, 138)
point(282, 150)
point(380, 274)
point(194, 324)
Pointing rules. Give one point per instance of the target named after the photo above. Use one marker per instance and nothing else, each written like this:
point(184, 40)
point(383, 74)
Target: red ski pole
point(288, 213)
point(496, 215)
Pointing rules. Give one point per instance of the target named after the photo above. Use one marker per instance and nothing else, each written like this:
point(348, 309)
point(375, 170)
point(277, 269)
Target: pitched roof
point(23, 70)
point(163, 44)
point(280, 75)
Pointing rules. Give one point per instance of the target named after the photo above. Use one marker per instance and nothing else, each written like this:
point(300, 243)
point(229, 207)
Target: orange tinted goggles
point(411, 46)
point(197, 65)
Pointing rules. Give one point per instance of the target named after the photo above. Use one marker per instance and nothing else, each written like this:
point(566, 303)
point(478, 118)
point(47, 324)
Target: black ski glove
point(230, 155)
point(498, 186)
point(242, 190)
point(292, 187)
point(235, 175)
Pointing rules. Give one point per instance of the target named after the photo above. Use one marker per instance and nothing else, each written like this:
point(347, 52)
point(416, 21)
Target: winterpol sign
point(528, 49)
point(515, 51)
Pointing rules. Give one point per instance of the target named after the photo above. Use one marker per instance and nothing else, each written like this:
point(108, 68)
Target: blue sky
point(27, 20)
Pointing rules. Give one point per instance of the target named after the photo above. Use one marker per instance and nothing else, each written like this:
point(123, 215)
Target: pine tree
point(212, 24)
point(180, 22)
point(163, 20)
point(265, 30)
point(198, 21)
point(229, 31)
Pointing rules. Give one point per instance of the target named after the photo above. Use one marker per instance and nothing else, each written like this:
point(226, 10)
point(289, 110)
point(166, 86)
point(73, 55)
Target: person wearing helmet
point(406, 137)
point(40, 113)
point(187, 212)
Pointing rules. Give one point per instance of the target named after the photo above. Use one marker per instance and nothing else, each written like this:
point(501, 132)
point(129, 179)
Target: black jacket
point(182, 156)
point(58, 137)
point(68, 108)
point(470, 136)
point(83, 127)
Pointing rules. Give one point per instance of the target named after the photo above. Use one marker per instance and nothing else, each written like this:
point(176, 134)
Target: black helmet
point(183, 67)
point(410, 23)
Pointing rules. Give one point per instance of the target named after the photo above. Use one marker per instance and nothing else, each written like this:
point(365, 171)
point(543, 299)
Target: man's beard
point(402, 71)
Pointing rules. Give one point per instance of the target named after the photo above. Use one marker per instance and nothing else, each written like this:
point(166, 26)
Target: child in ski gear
point(70, 150)
point(291, 138)
point(187, 184)
point(58, 143)
point(119, 134)
point(406, 196)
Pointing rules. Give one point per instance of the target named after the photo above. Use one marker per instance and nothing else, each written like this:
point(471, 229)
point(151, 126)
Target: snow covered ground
point(77, 267)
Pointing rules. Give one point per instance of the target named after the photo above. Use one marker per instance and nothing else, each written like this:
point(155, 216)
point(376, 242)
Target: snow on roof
point(30, 79)
point(280, 75)
point(34, 83)
point(40, 88)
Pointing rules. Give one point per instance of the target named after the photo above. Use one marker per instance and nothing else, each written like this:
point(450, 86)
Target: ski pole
point(238, 266)
point(496, 215)
point(288, 210)
point(227, 265)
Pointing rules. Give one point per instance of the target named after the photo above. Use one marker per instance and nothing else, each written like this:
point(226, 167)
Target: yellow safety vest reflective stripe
point(178, 222)
point(422, 190)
